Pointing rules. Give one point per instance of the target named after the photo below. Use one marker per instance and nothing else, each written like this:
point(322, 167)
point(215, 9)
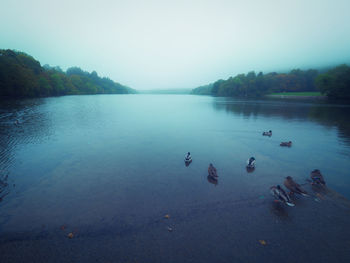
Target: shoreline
point(296, 97)
point(239, 234)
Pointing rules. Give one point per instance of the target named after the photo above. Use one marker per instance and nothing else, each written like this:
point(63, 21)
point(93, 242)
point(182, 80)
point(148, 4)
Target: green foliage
point(216, 86)
point(22, 76)
point(18, 74)
point(335, 83)
point(203, 90)
point(91, 83)
point(257, 85)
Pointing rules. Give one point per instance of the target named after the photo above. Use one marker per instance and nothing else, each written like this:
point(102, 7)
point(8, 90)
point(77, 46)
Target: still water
point(108, 166)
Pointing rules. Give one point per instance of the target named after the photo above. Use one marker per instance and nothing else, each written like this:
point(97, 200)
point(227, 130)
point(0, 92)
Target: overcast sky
point(164, 44)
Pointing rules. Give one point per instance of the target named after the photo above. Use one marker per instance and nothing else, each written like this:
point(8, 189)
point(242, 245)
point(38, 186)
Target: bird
point(269, 133)
point(294, 187)
point(317, 177)
point(251, 162)
point(281, 195)
point(288, 144)
point(212, 171)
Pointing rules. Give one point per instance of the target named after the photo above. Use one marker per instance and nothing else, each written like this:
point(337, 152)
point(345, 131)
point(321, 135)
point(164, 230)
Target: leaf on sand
point(70, 235)
point(263, 242)
point(170, 229)
point(166, 216)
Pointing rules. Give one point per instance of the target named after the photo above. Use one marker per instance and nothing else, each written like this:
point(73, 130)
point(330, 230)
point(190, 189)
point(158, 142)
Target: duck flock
point(277, 191)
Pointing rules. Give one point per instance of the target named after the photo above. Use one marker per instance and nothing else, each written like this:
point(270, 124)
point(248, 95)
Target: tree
point(216, 86)
point(335, 83)
point(22, 76)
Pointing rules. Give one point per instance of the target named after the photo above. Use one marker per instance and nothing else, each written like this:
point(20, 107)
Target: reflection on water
point(250, 169)
point(22, 122)
point(319, 146)
point(212, 180)
point(329, 115)
point(114, 164)
point(279, 210)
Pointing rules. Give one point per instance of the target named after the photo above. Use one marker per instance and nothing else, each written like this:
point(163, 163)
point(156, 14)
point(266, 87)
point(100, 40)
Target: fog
point(178, 44)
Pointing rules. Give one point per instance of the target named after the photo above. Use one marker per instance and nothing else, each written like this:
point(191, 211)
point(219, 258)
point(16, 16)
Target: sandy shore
point(317, 229)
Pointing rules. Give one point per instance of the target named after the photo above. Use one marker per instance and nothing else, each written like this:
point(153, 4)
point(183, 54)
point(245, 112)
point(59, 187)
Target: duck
point(288, 144)
point(294, 187)
point(317, 177)
point(251, 163)
point(269, 133)
point(281, 195)
point(212, 171)
point(188, 158)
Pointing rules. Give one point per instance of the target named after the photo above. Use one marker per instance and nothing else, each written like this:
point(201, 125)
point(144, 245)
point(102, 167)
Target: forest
point(23, 76)
point(334, 83)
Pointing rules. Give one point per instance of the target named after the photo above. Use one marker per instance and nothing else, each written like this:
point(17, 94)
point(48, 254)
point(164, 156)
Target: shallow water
point(109, 167)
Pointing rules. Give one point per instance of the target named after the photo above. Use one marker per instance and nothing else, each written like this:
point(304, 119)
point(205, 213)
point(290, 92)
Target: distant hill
point(23, 76)
point(166, 91)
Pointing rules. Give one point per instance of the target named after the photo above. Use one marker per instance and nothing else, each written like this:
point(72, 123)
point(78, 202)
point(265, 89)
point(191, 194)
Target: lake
point(108, 168)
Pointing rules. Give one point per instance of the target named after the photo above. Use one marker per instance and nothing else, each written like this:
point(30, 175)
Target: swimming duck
point(212, 171)
point(317, 177)
point(188, 158)
point(293, 186)
point(269, 133)
point(251, 163)
point(281, 195)
point(288, 144)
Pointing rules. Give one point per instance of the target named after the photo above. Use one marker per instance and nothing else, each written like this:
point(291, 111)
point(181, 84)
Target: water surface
point(109, 167)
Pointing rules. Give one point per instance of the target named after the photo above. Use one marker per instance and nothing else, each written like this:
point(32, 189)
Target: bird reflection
point(212, 180)
point(250, 169)
point(279, 210)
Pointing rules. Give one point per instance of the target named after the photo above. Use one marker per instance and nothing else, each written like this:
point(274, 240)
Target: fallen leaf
point(170, 229)
point(263, 242)
point(167, 216)
point(70, 235)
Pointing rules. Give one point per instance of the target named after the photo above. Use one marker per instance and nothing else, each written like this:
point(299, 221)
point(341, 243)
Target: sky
point(165, 44)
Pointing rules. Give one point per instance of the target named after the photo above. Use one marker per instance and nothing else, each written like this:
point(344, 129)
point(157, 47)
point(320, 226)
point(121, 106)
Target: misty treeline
point(334, 83)
point(23, 76)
